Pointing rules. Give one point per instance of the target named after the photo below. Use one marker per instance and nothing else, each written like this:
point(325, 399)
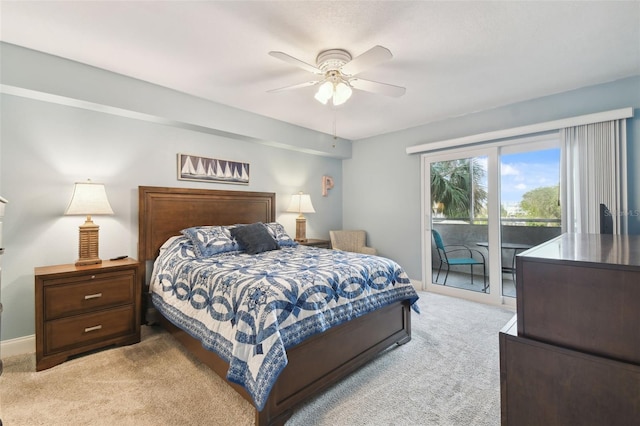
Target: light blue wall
point(127, 133)
point(382, 183)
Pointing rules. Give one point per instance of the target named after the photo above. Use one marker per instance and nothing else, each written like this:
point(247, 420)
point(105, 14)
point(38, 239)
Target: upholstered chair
point(354, 241)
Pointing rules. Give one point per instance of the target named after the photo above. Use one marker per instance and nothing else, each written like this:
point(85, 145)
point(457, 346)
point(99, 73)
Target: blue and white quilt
point(250, 308)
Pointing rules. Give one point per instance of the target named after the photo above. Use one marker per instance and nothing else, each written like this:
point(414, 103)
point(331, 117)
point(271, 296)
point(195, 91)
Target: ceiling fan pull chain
point(334, 127)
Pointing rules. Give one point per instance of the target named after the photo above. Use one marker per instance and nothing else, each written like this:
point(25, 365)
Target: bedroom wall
point(48, 143)
point(382, 183)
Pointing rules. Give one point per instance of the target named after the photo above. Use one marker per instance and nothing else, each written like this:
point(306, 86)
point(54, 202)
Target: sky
point(525, 171)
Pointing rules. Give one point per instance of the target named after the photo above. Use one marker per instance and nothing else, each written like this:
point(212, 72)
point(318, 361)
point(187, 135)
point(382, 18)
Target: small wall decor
point(191, 167)
point(327, 184)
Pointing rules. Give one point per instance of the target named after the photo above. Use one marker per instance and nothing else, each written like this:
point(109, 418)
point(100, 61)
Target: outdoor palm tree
point(455, 185)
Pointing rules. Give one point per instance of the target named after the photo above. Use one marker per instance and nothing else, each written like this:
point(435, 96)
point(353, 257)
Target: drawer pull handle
point(93, 296)
point(94, 328)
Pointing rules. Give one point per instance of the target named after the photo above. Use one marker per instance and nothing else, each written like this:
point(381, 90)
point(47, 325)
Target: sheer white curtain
point(594, 171)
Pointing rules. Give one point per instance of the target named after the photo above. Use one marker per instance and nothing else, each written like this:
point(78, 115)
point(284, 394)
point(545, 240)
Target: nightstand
point(317, 243)
point(82, 308)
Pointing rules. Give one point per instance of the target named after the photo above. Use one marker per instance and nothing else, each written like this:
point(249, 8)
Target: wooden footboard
point(318, 362)
point(326, 358)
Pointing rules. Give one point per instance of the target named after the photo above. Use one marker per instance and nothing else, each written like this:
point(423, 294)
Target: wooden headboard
point(163, 212)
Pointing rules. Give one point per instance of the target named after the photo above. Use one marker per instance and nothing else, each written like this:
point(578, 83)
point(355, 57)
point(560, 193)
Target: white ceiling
point(454, 58)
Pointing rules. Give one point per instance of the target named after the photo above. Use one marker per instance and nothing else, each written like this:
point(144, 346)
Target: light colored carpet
point(448, 374)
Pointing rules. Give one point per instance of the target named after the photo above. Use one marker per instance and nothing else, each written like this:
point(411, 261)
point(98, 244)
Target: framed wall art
point(202, 169)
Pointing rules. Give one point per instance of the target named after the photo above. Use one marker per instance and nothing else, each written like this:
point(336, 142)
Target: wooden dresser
point(571, 355)
point(82, 308)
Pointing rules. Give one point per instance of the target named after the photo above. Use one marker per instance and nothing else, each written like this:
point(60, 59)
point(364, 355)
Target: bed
point(312, 364)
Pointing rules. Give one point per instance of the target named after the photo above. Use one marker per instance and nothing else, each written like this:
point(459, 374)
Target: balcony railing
point(455, 231)
point(509, 221)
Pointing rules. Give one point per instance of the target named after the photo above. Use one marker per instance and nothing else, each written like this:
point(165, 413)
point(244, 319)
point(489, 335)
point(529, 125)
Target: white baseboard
point(18, 346)
point(417, 285)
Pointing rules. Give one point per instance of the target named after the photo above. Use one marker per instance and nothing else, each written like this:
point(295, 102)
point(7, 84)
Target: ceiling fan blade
point(297, 62)
point(368, 59)
point(295, 86)
point(375, 87)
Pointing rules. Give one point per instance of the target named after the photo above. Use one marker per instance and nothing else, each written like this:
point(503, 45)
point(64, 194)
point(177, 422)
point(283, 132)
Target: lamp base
point(83, 262)
point(88, 243)
point(301, 229)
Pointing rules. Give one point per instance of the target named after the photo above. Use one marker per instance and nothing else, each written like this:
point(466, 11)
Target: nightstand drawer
point(80, 330)
point(88, 293)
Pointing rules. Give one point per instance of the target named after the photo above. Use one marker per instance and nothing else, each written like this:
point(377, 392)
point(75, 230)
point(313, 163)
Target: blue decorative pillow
point(211, 240)
point(254, 238)
point(280, 235)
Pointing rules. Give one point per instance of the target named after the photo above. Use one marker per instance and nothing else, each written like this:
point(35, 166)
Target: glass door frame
point(494, 267)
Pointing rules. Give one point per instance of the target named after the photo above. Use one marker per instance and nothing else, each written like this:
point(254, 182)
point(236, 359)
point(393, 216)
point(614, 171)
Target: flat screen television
point(606, 220)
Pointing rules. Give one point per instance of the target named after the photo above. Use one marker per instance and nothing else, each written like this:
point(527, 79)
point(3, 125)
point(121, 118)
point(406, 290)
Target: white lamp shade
point(301, 203)
point(341, 93)
point(89, 199)
point(325, 91)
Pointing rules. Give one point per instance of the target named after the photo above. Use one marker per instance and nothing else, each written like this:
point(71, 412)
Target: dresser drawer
point(589, 308)
point(80, 330)
point(64, 297)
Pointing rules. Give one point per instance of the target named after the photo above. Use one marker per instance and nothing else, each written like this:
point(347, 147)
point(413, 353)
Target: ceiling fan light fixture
point(341, 93)
point(324, 93)
point(338, 91)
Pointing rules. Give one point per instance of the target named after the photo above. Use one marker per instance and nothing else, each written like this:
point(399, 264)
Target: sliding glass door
point(482, 208)
point(529, 202)
point(457, 215)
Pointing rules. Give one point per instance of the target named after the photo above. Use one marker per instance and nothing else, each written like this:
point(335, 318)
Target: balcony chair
point(443, 254)
point(354, 241)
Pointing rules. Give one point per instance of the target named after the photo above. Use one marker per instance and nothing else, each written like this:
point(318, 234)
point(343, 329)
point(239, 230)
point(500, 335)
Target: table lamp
point(301, 203)
point(88, 198)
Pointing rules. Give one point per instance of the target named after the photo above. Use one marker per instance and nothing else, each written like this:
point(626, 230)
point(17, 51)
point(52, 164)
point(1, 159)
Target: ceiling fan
point(336, 74)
